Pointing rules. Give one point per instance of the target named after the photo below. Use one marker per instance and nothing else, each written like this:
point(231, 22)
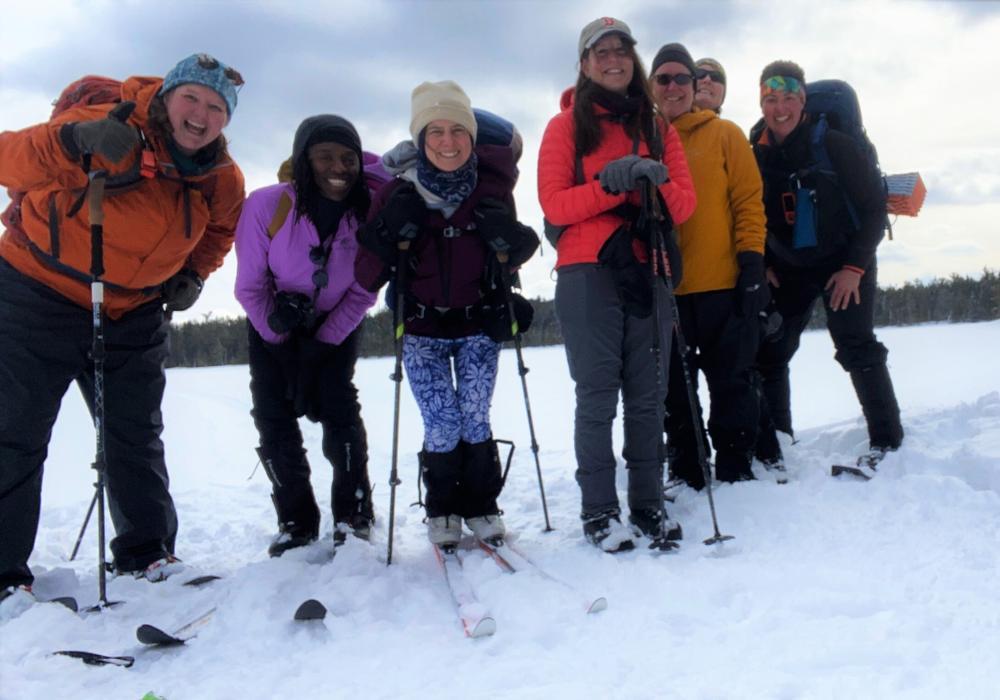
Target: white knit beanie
point(443, 100)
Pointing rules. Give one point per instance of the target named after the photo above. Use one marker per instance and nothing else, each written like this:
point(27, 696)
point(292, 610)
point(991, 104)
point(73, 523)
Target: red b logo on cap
point(608, 21)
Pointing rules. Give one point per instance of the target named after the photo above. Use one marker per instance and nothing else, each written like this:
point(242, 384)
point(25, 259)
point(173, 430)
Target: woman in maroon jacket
point(595, 156)
point(452, 203)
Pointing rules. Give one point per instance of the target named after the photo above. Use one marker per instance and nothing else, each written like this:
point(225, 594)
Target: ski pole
point(397, 376)
point(96, 198)
point(522, 371)
point(83, 528)
point(661, 220)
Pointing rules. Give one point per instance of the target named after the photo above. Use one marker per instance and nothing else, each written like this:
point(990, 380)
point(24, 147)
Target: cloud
point(924, 107)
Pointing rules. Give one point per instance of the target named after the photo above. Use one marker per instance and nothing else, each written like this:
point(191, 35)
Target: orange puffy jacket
point(586, 210)
point(150, 232)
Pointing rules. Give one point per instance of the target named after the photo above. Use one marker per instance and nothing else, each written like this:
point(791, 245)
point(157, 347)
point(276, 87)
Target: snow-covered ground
point(831, 588)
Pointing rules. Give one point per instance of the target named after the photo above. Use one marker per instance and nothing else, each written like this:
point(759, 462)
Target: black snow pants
point(45, 344)
point(857, 350)
point(723, 345)
point(277, 372)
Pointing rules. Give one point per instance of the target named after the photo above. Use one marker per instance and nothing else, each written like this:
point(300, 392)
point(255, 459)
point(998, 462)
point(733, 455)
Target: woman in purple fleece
point(295, 250)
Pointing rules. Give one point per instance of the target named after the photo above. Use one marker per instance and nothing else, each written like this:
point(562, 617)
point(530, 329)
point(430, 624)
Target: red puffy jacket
point(586, 210)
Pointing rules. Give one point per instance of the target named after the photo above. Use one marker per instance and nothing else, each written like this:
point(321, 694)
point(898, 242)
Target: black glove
point(752, 292)
point(398, 220)
point(497, 226)
point(292, 310)
point(624, 174)
point(110, 137)
point(181, 291)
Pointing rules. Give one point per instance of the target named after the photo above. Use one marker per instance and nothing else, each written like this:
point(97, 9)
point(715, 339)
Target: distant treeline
point(957, 299)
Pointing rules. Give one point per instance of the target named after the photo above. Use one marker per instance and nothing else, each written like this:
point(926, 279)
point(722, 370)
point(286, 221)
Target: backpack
point(88, 90)
point(833, 104)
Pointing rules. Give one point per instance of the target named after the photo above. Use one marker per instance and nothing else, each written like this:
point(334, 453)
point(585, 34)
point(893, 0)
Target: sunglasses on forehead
point(209, 63)
point(680, 79)
point(713, 75)
point(781, 83)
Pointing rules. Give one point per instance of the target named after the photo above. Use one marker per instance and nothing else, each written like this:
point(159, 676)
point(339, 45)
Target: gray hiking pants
point(610, 352)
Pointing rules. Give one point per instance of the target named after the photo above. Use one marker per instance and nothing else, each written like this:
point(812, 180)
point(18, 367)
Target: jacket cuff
point(749, 258)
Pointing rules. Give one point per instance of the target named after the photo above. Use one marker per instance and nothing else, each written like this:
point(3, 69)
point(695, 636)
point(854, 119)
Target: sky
point(906, 59)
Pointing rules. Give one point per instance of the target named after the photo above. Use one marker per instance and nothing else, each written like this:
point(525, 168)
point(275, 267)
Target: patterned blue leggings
point(451, 414)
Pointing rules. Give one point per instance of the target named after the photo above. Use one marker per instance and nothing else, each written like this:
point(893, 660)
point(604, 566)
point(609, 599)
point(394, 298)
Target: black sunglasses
point(319, 255)
point(681, 79)
point(713, 75)
point(210, 63)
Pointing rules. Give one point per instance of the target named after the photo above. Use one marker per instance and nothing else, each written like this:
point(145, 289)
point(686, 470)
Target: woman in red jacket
point(595, 156)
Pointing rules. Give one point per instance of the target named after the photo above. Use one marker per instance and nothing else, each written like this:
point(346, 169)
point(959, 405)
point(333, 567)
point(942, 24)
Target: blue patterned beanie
point(203, 69)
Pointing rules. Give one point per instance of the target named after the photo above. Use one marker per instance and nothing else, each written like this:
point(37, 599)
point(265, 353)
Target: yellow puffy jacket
point(729, 218)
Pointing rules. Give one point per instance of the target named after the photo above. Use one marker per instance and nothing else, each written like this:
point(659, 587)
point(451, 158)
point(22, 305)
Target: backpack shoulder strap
point(823, 164)
point(280, 215)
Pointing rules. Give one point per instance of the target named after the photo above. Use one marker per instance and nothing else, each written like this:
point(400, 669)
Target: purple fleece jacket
point(266, 266)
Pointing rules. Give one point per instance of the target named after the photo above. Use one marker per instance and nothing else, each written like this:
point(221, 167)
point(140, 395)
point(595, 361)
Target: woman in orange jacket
point(171, 204)
point(595, 156)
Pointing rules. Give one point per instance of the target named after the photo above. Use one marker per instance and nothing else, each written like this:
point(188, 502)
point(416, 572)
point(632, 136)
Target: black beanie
point(325, 128)
point(675, 53)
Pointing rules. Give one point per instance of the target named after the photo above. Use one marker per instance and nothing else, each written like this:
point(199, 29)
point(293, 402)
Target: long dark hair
point(307, 192)
point(159, 125)
point(588, 125)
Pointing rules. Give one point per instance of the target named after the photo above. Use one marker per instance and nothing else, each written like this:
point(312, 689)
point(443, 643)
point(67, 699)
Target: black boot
point(480, 485)
point(682, 459)
point(292, 495)
point(733, 465)
point(878, 402)
point(599, 527)
point(655, 524)
point(351, 492)
point(441, 472)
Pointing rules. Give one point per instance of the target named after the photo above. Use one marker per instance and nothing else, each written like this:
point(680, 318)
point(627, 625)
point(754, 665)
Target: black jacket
point(840, 242)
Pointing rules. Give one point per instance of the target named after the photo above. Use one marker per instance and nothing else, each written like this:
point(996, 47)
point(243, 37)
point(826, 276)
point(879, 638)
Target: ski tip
point(148, 634)
point(66, 602)
point(598, 605)
point(486, 627)
point(92, 659)
point(860, 472)
point(311, 609)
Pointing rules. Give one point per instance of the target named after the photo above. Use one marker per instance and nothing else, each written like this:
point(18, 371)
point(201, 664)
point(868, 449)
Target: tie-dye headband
point(780, 83)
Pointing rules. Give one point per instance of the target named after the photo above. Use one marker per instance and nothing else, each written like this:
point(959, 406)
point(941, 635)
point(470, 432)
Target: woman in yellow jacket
point(724, 288)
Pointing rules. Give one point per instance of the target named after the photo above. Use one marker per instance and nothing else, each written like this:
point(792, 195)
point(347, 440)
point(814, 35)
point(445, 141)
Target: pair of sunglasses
point(209, 63)
point(680, 79)
point(318, 256)
point(713, 75)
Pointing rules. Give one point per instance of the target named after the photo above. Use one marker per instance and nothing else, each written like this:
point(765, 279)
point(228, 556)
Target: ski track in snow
point(831, 588)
